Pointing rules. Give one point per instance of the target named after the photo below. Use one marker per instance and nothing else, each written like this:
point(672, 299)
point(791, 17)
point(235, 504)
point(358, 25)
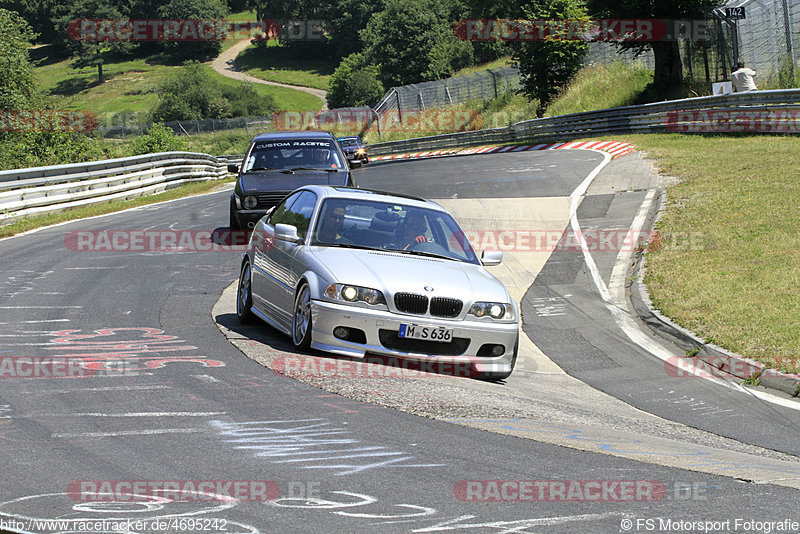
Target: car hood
point(278, 181)
point(395, 272)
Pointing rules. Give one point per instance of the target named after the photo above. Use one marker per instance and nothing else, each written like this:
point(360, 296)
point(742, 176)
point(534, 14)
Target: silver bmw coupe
point(357, 272)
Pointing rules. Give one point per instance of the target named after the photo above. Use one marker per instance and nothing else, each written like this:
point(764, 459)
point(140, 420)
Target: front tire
point(244, 295)
point(301, 321)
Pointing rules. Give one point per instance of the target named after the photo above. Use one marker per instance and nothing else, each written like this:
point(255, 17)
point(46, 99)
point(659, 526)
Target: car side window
point(298, 213)
point(279, 214)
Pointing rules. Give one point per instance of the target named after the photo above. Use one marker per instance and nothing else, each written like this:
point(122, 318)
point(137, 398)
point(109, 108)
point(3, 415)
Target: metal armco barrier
point(43, 189)
point(658, 117)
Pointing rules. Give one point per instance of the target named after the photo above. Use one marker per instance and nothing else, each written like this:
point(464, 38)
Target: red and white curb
point(615, 148)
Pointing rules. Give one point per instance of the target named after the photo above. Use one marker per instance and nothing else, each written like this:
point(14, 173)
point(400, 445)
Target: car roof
point(327, 191)
point(350, 137)
point(293, 134)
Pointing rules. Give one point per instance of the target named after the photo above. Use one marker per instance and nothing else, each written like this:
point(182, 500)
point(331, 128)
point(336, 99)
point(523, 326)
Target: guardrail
point(44, 189)
point(646, 118)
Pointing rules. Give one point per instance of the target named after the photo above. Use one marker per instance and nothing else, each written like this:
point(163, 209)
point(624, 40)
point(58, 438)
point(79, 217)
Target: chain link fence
point(767, 40)
point(191, 127)
point(769, 36)
point(483, 85)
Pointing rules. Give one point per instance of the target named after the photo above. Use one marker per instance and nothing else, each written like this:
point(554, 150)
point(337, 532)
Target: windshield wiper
point(312, 169)
point(262, 169)
point(423, 253)
point(343, 245)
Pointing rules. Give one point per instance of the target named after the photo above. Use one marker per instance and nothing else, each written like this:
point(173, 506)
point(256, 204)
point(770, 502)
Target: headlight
point(495, 310)
point(360, 151)
point(355, 294)
point(250, 202)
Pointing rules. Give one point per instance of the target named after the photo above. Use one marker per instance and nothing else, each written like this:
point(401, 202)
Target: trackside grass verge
point(276, 63)
point(29, 223)
point(729, 266)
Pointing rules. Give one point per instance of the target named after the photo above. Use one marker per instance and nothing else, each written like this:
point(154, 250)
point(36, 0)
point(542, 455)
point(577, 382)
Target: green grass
point(504, 61)
point(244, 15)
point(129, 84)
point(224, 143)
point(29, 223)
point(600, 87)
point(280, 64)
point(728, 269)
point(285, 98)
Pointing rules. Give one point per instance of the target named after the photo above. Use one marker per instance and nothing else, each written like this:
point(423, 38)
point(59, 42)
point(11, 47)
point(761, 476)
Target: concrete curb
point(707, 358)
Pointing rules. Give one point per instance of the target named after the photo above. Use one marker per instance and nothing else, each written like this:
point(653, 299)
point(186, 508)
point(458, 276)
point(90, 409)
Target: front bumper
point(248, 218)
point(351, 156)
point(380, 328)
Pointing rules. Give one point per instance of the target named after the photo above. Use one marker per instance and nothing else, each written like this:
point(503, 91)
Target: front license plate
point(428, 333)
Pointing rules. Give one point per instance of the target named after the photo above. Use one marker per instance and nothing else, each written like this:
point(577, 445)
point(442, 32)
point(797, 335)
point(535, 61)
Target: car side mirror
point(287, 232)
point(490, 258)
point(355, 164)
point(232, 167)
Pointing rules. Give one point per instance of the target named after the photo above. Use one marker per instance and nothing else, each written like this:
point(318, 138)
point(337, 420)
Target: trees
point(412, 41)
point(18, 92)
point(546, 65)
point(190, 94)
point(354, 83)
point(91, 53)
point(347, 18)
point(194, 10)
point(668, 67)
point(17, 83)
point(40, 14)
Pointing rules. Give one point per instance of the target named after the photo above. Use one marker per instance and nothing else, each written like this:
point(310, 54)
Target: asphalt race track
point(173, 397)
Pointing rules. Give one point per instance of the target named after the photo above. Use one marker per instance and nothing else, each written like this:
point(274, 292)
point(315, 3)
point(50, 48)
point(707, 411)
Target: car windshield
point(357, 223)
point(293, 155)
point(350, 141)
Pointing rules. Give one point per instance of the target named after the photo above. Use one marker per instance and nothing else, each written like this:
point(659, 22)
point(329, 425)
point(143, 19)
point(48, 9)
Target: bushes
point(158, 138)
point(190, 94)
point(37, 149)
point(354, 83)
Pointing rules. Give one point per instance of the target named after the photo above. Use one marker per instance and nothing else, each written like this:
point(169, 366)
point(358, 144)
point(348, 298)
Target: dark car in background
point(279, 162)
point(354, 148)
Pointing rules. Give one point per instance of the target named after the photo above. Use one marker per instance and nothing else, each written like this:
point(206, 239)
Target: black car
point(354, 148)
point(280, 162)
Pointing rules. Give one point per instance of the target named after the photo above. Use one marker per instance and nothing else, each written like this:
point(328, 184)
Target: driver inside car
point(330, 227)
point(321, 157)
point(414, 228)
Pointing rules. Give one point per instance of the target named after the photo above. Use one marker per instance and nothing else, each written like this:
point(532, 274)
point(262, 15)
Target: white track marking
point(127, 433)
